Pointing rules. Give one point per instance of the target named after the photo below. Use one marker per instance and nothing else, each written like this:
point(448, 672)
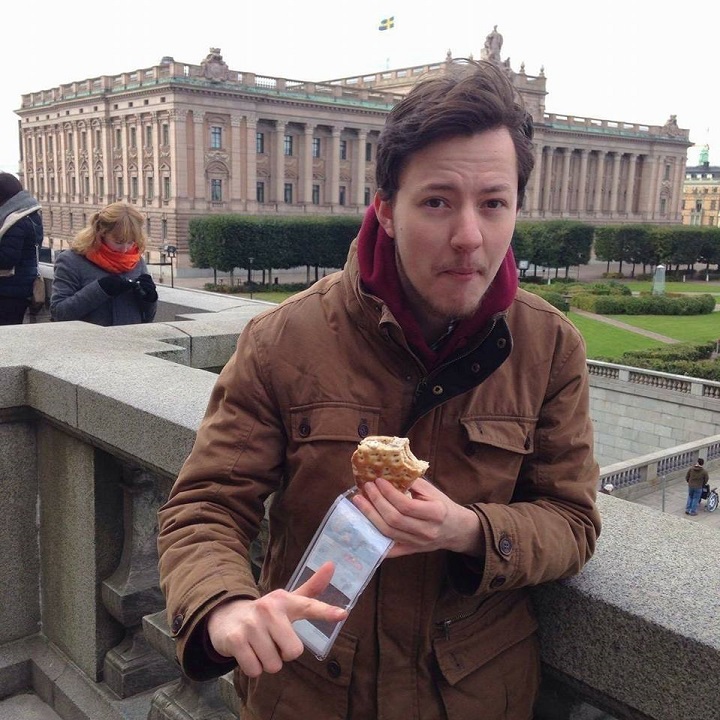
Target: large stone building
point(183, 141)
point(701, 192)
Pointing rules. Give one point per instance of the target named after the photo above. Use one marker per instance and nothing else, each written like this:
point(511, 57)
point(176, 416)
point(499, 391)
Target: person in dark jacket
point(21, 234)
point(696, 477)
point(103, 278)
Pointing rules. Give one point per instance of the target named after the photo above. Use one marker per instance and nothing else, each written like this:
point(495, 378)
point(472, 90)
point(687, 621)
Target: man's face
point(452, 220)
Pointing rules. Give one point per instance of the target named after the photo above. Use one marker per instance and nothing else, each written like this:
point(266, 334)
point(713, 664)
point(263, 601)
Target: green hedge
point(645, 304)
point(690, 359)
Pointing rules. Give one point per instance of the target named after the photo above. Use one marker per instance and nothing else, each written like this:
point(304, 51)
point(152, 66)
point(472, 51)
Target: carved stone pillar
point(547, 179)
point(133, 591)
point(306, 166)
point(615, 185)
point(536, 180)
point(582, 187)
point(359, 170)
point(565, 185)
point(250, 157)
point(333, 176)
point(599, 176)
point(630, 205)
point(278, 163)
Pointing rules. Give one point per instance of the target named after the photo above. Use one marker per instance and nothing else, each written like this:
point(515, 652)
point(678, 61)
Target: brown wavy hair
point(471, 98)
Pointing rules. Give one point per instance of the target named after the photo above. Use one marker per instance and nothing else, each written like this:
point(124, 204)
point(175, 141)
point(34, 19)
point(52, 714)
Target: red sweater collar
point(379, 275)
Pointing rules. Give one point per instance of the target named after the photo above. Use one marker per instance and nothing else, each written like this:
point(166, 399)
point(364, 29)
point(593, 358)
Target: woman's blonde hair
point(123, 220)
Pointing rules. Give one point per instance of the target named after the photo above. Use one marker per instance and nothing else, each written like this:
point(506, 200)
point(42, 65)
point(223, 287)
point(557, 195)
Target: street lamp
point(171, 251)
point(251, 276)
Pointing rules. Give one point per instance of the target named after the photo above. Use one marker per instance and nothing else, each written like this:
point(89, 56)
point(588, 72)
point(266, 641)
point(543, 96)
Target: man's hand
point(423, 521)
point(259, 633)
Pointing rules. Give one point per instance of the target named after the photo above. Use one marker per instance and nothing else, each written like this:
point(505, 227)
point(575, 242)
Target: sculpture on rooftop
point(493, 46)
point(214, 67)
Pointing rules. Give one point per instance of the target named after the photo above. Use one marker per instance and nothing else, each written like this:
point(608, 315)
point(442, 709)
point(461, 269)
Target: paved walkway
point(625, 326)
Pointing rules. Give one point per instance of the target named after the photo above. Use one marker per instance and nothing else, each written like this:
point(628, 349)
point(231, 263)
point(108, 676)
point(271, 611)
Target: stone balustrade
point(95, 424)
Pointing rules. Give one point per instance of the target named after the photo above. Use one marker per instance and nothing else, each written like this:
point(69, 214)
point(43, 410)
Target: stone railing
point(95, 424)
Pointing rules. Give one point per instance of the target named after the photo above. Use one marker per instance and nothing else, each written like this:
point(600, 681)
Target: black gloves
point(114, 285)
point(145, 288)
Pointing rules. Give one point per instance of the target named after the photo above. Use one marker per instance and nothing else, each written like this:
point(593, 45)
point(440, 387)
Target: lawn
point(608, 342)
point(686, 328)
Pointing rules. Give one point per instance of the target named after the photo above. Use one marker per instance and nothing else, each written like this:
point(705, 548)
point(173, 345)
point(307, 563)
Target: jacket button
point(177, 623)
point(497, 581)
point(501, 343)
point(304, 428)
point(363, 429)
point(475, 367)
point(438, 390)
point(528, 443)
point(505, 545)
point(334, 669)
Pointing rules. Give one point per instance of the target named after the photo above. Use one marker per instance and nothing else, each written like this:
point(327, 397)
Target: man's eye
point(435, 202)
point(494, 204)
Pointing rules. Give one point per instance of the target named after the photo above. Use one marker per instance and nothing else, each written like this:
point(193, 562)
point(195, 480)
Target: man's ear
point(384, 212)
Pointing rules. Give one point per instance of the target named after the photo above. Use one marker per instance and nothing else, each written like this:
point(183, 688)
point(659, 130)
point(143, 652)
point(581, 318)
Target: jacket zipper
point(445, 624)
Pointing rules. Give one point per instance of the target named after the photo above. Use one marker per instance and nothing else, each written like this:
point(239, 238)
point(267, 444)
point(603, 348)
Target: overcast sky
point(632, 60)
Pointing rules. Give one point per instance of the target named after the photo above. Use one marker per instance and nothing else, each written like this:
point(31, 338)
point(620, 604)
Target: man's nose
point(467, 233)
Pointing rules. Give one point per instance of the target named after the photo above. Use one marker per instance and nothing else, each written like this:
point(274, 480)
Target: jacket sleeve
point(550, 528)
point(216, 506)
point(71, 299)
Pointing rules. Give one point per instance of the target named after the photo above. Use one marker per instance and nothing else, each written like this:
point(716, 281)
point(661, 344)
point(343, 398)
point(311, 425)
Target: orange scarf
point(112, 261)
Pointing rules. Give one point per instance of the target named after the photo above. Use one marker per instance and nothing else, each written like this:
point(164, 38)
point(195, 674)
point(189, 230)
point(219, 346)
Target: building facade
point(182, 141)
point(701, 193)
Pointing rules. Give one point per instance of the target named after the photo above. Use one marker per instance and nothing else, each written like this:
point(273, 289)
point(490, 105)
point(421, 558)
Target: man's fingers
point(303, 603)
point(318, 582)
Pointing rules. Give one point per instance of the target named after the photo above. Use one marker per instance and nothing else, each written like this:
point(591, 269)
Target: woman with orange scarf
point(103, 278)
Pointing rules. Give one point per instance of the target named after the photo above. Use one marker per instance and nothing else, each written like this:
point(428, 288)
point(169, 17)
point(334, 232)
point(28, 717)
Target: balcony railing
point(96, 423)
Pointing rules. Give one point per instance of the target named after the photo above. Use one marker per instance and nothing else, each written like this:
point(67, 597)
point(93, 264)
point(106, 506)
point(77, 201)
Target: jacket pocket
point(302, 684)
point(333, 421)
point(490, 662)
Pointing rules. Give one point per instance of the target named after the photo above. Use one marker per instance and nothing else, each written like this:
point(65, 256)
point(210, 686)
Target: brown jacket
point(507, 432)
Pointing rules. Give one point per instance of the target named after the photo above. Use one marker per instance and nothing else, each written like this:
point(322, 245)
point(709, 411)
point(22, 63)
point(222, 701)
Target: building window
point(288, 193)
point(50, 144)
point(216, 190)
point(147, 226)
point(42, 185)
point(367, 196)
point(149, 187)
point(98, 138)
point(39, 146)
point(134, 188)
point(86, 186)
point(368, 152)
point(260, 143)
point(118, 138)
point(165, 134)
point(260, 192)
point(83, 140)
point(215, 137)
point(316, 147)
point(163, 229)
point(133, 138)
point(288, 149)
point(101, 185)
point(343, 149)
point(120, 187)
point(315, 194)
point(341, 195)
point(70, 141)
point(148, 136)
point(698, 206)
point(28, 147)
point(52, 186)
point(663, 206)
point(166, 188)
point(667, 172)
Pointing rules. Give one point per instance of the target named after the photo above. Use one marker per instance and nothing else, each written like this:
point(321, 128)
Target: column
point(333, 175)
point(630, 195)
point(582, 186)
point(201, 191)
point(157, 140)
point(536, 180)
point(615, 186)
point(565, 186)
point(277, 180)
point(236, 159)
point(76, 162)
point(306, 166)
point(547, 179)
point(359, 170)
point(599, 175)
point(178, 158)
point(251, 161)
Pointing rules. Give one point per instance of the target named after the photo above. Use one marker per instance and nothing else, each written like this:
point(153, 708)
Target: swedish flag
point(387, 23)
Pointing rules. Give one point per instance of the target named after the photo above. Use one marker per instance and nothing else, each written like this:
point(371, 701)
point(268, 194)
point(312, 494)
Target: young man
point(423, 334)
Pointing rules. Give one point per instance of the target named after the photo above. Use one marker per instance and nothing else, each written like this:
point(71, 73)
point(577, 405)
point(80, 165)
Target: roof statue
point(671, 126)
point(493, 46)
point(704, 158)
point(214, 67)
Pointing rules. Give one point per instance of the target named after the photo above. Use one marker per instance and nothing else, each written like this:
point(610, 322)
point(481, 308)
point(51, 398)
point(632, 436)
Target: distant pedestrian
point(103, 278)
point(696, 477)
point(21, 234)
